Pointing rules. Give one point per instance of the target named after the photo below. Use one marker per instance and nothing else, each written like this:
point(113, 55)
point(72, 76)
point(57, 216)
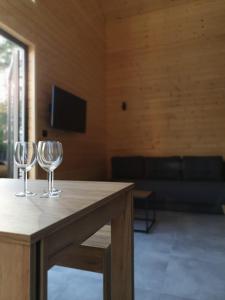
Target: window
point(13, 93)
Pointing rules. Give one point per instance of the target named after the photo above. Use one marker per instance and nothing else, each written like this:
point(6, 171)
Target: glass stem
point(50, 182)
point(53, 181)
point(25, 182)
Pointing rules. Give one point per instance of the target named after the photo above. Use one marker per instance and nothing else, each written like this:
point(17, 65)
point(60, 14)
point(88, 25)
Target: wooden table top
point(141, 194)
point(29, 219)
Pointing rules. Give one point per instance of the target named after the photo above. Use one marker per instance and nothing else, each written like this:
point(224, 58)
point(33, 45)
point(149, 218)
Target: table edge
point(29, 239)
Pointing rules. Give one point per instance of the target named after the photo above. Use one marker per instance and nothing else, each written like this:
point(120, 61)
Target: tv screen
point(68, 112)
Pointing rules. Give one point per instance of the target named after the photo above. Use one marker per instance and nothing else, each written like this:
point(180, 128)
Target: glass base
point(50, 195)
point(56, 191)
point(27, 194)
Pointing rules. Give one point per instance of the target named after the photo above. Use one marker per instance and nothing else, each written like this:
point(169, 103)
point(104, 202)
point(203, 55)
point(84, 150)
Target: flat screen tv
point(68, 112)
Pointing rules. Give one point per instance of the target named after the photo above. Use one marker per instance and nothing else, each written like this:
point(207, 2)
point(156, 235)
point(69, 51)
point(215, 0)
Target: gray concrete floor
point(183, 258)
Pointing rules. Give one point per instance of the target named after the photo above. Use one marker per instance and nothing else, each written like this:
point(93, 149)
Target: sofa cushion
point(165, 168)
point(130, 167)
point(204, 168)
point(196, 196)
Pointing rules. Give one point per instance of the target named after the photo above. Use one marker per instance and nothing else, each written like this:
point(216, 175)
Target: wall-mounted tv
point(68, 112)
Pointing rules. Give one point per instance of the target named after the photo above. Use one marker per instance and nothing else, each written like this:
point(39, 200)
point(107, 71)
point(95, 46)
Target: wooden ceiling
point(119, 9)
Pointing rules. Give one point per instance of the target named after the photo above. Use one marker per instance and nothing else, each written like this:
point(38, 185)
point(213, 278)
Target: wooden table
point(36, 232)
point(141, 194)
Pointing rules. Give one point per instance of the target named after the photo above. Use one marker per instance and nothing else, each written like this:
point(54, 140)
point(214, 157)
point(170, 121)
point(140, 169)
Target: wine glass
point(60, 149)
point(49, 158)
point(25, 157)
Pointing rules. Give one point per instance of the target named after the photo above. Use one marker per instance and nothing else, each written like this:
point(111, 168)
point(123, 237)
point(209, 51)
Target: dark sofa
point(185, 184)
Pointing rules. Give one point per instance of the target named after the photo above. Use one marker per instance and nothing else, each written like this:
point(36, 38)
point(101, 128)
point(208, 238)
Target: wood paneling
point(169, 66)
point(119, 9)
point(165, 58)
point(67, 40)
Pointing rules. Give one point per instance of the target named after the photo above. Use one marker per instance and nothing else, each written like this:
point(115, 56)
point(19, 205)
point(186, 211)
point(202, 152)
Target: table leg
point(149, 222)
point(43, 273)
point(122, 253)
point(146, 215)
point(39, 272)
point(17, 271)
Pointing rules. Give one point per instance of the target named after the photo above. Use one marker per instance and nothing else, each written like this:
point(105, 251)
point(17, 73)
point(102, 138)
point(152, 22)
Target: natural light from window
point(12, 102)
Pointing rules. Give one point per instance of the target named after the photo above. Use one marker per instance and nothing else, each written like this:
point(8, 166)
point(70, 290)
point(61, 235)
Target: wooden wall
point(119, 9)
point(169, 66)
point(166, 59)
point(67, 41)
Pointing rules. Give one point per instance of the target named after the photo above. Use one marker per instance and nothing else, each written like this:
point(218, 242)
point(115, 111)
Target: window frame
point(25, 48)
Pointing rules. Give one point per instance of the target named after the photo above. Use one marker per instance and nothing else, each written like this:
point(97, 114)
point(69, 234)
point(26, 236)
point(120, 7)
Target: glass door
point(12, 100)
